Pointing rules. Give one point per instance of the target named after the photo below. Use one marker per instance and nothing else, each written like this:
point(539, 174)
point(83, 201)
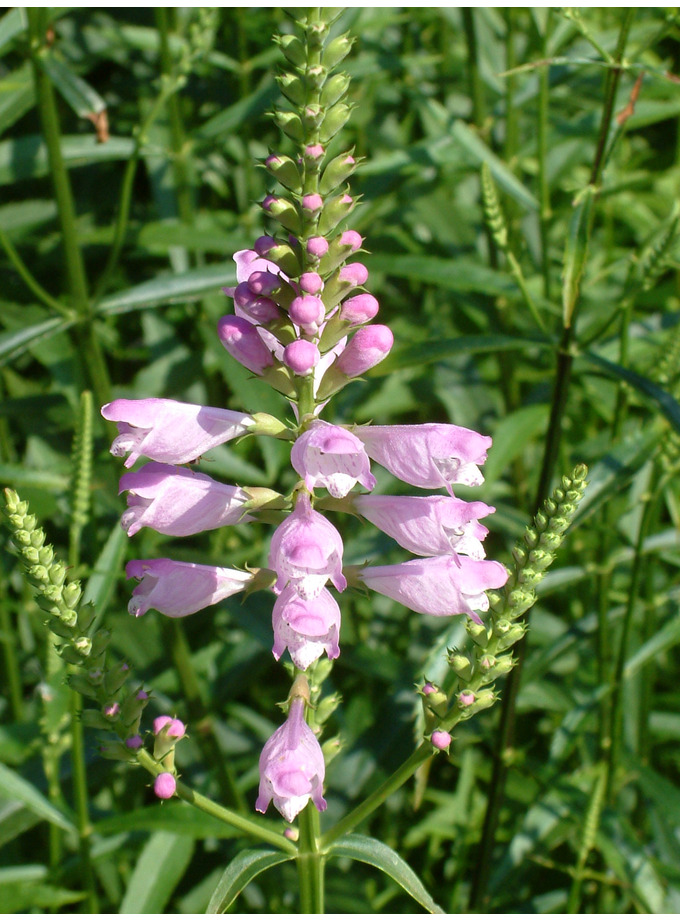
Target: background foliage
point(592, 806)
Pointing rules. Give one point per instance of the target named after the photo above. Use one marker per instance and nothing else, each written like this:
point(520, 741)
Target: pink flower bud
point(351, 238)
point(174, 728)
point(243, 342)
point(311, 283)
point(441, 740)
point(269, 202)
point(312, 203)
point(264, 283)
point(308, 312)
point(317, 246)
point(160, 722)
point(111, 710)
point(142, 695)
point(134, 743)
point(165, 785)
point(346, 199)
point(263, 244)
point(358, 310)
point(355, 274)
point(301, 357)
point(466, 698)
point(367, 348)
point(429, 688)
point(314, 151)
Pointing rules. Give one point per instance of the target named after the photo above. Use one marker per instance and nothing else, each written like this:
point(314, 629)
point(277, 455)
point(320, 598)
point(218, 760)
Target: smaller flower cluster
point(490, 656)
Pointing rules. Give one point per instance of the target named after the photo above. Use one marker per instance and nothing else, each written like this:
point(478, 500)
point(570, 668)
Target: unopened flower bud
point(317, 246)
point(314, 152)
point(336, 173)
point(285, 171)
point(335, 119)
point(312, 117)
point(334, 89)
point(263, 245)
point(368, 347)
point(83, 644)
point(465, 699)
point(293, 49)
point(292, 833)
point(441, 740)
point(243, 342)
point(261, 310)
point(336, 51)
point(317, 32)
point(284, 211)
point(134, 743)
point(292, 88)
point(57, 573)
point(308, 312)
point(262, 284)
point(358, 310)
point(461, 666)
point(111, 710)
point(311, 283)
point(477, 632)
point(335, 210)
point(301, 357)
point(312, 203)
point(434, 700)
point(165, 785)
point(71, 594)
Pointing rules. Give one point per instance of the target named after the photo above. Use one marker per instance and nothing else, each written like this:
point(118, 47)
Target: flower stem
point(310, 862)
point(545, 212)
point(380, 795)
point(30, 281)
point(9, 645)
point(265, 832)
point(81, 802)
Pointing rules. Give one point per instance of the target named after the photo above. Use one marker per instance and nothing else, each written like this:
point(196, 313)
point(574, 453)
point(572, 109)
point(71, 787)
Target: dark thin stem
point(545, 212)
point(200, 717)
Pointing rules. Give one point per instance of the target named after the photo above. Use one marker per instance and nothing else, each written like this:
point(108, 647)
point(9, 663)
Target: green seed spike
point(655, 258)
point(81, 483)
point(492, 210)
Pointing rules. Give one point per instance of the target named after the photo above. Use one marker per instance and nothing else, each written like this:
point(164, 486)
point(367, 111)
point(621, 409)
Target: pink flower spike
point(165, 785)
point(358, 310)
point(355, 274)
point(311, 283)
point(368, 347)
point(351, 238)
point(427, 456)
point(317, 246)
point(292, 768)
point(301, 357)
point(305, 551)
point(431, 525)
point(170, 431)
point(307, 628)
point(332, 457)
point(244, 343)
point(312, 203)
point(441, 586)
point(177, 589)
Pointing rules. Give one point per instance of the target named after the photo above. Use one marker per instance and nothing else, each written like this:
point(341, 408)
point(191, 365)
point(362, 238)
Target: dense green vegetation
point(519, 205)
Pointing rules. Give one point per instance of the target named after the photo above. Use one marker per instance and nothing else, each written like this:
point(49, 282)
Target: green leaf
point(160, 866)
point(12, 24)
point(669, 406)
point(16, 343)
point(459, 274)
point(666, 637)
point(245, 109)
point(175, 817)
point(80, 96)
point(511, 437)
point(26, 157)
point(16, 475)
point(240, 871)
point(473, 144)
point(372, 851)
point(428, 352)
point(189, 285)
point(106, 571)
point(15, 787)
point(576, 253)
point(17, 95)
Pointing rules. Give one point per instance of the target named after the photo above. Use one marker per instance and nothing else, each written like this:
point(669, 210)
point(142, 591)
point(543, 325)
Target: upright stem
point(545, 212)
point(81, 801)
point(310, 862)
point(9, 647)
point(88, 343)
point(476, 87)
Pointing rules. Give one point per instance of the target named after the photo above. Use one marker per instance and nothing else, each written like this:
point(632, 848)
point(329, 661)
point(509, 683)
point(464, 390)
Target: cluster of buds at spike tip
point(489, 657)
point(81, 645)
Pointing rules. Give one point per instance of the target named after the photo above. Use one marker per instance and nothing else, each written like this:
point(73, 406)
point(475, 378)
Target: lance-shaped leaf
point(240, 871)
point(84, 100)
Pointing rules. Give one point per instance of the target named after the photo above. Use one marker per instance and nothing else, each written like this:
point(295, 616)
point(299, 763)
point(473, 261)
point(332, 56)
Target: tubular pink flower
point(305, 551)
point(179, 502)
point(427, 456)
point(165, 785)
point(358, 310)
point(178, 589)
point(431, 525)
point(332, 457)
point(292, 768)
point(307, 628)
point(441, 586)
point(243, 342)
point(301, 357)
point(170, 431)
point(367, 347)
